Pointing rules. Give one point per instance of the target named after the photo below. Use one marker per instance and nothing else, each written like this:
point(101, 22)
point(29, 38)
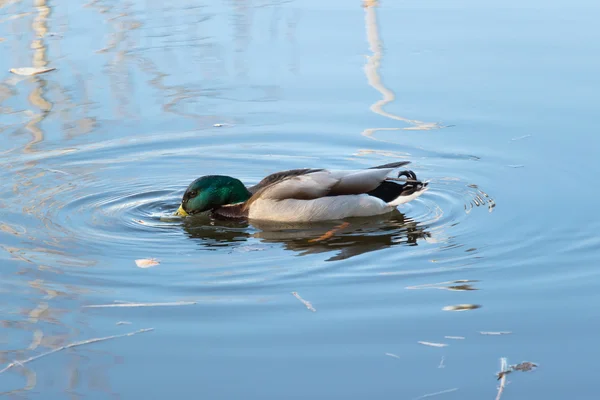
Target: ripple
point(122, 218)
point(128, 217)
point(446, 205)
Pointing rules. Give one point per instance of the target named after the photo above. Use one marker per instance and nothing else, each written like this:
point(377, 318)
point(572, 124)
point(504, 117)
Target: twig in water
point(68, 346)
point(463, 284)
point(503, 368)
point(496, 333)
point(433, 344)
point(442, 363)
point(175, 303)
point(436, 393)
point(520, 138)
point(306, 303)
point(524, 367)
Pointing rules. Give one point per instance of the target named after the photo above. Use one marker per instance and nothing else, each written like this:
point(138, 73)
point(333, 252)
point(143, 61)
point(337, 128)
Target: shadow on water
point(354, 237)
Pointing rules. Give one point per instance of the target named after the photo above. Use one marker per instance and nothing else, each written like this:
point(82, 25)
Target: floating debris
point(433, 344)
point(436, 393)
point(330, 232)
point(306, 303)
point(392, 355)
point(29, 71)
point(123, 323)
point(496, 333)
point(525, 366)
point(458, 285)
point(502, 377)
point(147, 262)
point(455, 337)
point(175, 303)
point(75, 344)
point(462, 307)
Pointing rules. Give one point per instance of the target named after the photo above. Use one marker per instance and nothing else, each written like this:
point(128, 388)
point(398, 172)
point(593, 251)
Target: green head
point(210, 192)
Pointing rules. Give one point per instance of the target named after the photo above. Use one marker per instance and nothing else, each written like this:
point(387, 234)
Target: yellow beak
point(181, 212)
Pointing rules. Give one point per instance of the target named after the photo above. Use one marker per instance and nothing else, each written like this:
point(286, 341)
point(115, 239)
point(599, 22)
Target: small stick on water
point(496, 333)
point(176, 303)
point(330, 232)
point(520, 138)
point(306, 303)
point(503, 367)
point(435, 394)
point(68, 346)
point(433, 344)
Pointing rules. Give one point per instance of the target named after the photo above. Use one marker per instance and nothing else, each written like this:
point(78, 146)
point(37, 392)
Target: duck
point(304, 195)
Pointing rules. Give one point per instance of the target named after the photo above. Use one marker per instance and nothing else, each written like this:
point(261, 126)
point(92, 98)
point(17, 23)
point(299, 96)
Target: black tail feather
point(392, 188)
point(397, 164)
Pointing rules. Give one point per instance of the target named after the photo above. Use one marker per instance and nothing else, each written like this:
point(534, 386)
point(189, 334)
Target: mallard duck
point(305, 195)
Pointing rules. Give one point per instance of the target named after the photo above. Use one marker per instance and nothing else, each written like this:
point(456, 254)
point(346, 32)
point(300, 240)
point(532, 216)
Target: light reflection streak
point(374, 78)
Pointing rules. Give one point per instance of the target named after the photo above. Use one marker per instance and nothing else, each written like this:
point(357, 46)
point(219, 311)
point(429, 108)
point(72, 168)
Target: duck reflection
point(353, 237)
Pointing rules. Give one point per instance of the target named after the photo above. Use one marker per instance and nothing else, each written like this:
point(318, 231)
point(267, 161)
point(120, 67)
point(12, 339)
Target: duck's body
point(305, 195)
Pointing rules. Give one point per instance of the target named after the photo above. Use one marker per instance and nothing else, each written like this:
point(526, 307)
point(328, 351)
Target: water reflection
point(357, 236)
point(374, 78)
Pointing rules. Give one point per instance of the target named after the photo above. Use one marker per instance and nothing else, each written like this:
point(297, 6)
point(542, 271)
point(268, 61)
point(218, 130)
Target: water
point(494, 103)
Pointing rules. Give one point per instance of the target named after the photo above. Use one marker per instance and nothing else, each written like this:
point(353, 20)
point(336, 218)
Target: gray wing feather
point(323, 183)
point(280, 176)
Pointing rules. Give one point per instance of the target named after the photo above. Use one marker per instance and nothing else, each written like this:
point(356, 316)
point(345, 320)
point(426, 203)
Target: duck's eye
point(193, 193)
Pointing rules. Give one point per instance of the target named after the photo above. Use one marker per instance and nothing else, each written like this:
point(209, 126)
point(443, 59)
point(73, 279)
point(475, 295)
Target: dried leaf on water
point(432, 344)
point(29, 71)
point(306, 303)
point(146, 262)
point(68, 346)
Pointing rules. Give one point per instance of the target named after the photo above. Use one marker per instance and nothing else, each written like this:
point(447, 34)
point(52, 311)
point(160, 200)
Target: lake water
point(495, 103)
